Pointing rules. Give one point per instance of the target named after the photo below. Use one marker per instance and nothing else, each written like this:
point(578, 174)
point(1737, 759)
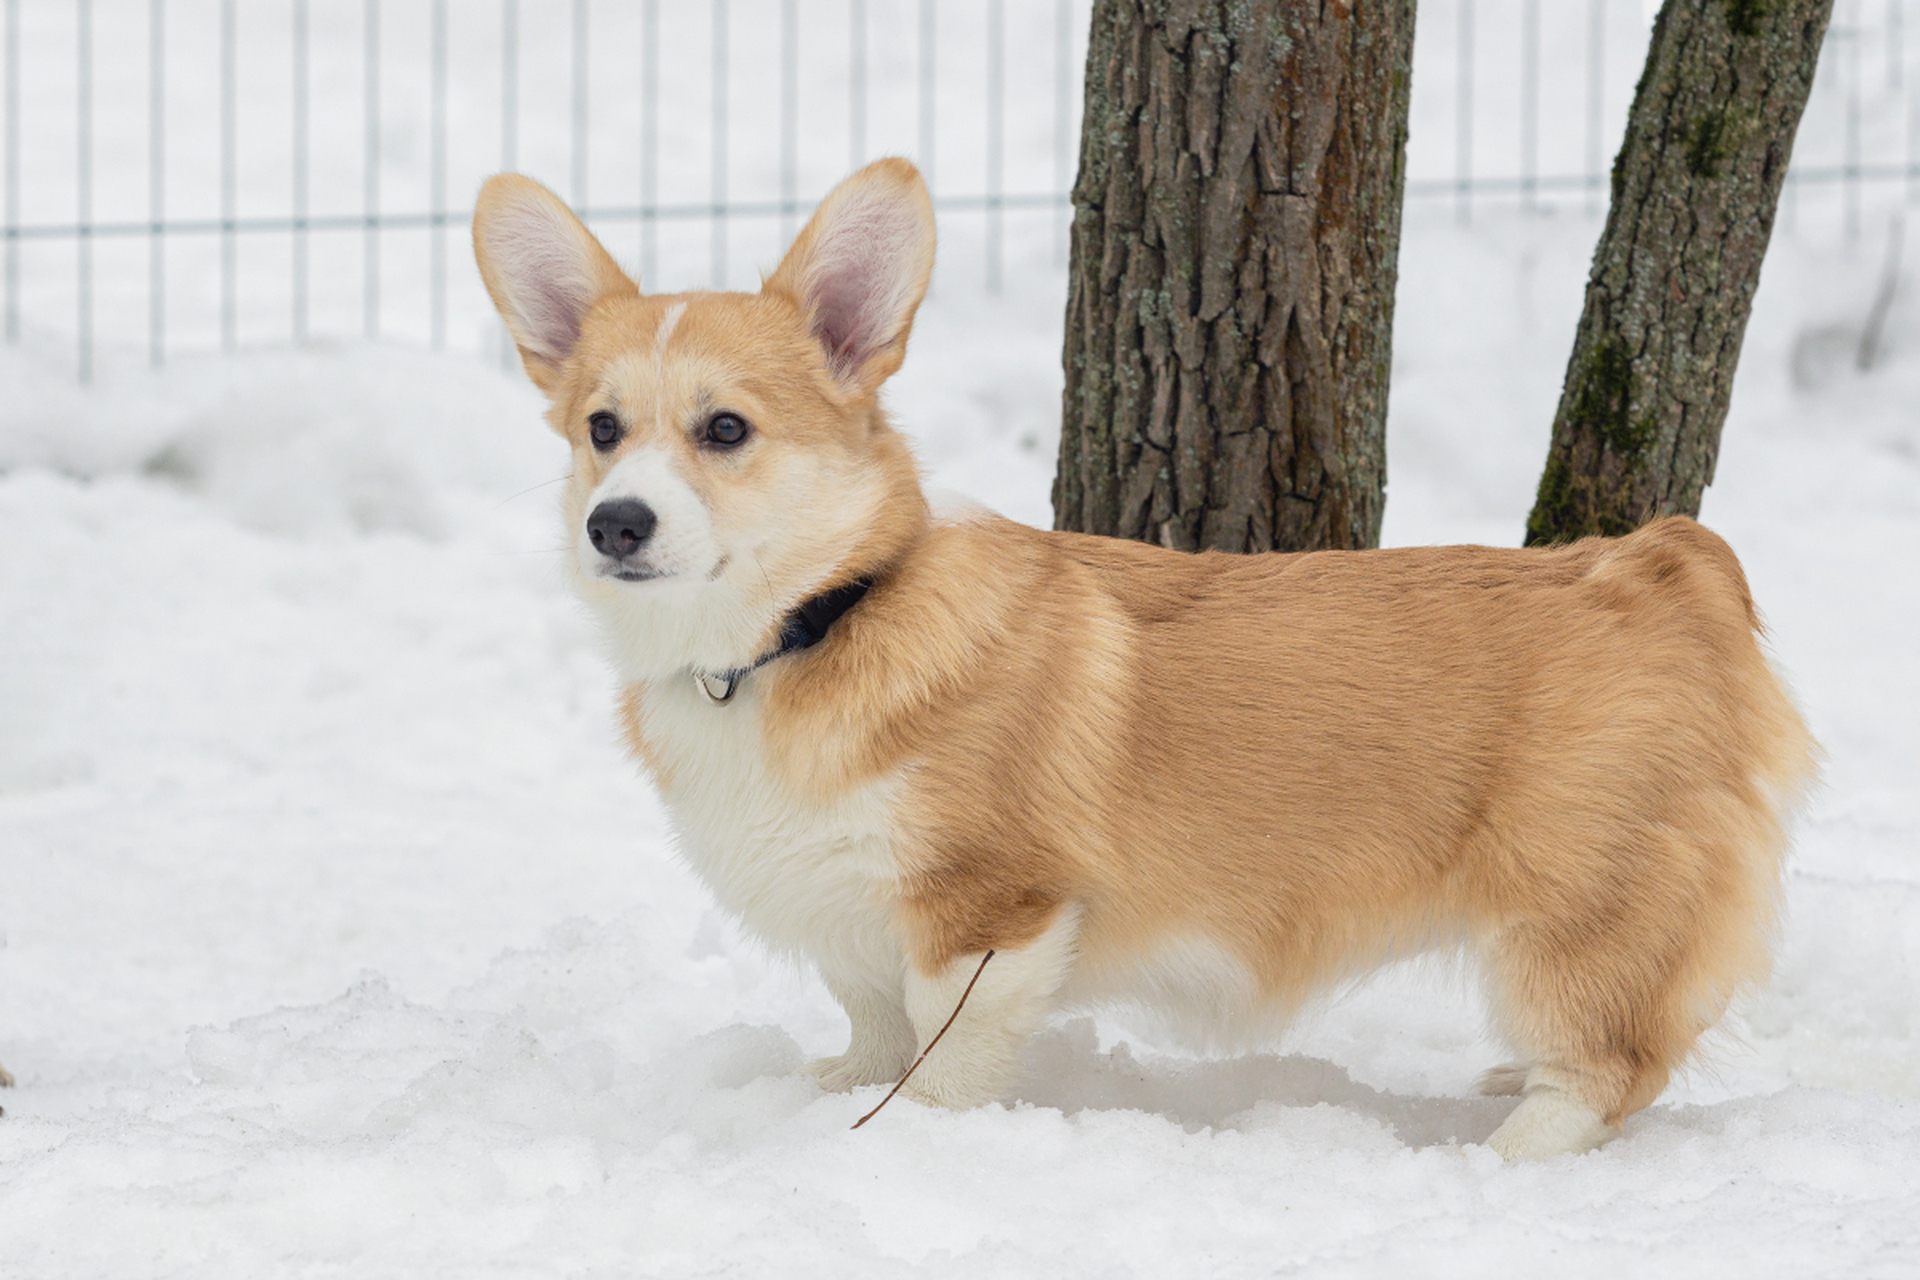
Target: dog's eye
point(604, 430)
point(725, 430)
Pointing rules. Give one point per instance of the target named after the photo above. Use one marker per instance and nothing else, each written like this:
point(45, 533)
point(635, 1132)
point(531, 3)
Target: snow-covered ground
point(342, 939)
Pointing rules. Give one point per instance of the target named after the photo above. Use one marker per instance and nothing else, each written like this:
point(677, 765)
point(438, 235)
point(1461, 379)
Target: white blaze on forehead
point(660, 340)
point(667, 323)
point(683, 539)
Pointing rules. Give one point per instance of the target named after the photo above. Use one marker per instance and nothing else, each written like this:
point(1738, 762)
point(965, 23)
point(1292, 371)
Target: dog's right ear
point(543, 268)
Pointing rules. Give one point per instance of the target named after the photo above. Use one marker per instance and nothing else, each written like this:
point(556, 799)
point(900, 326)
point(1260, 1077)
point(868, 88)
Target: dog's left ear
point(860, 268)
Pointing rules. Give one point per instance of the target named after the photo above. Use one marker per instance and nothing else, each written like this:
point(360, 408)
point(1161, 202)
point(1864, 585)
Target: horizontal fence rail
point(190, 175)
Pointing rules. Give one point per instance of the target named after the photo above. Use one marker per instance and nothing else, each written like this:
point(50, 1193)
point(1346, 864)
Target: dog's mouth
point(622, 571)
point(632, 573)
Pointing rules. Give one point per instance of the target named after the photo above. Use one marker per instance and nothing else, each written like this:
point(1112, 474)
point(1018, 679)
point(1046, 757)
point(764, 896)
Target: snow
point(342, 938)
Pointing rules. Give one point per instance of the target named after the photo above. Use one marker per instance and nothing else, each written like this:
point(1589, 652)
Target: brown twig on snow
point(936, 1040)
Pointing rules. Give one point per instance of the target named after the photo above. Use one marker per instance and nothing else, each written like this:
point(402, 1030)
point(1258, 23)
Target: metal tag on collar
point(719, 690)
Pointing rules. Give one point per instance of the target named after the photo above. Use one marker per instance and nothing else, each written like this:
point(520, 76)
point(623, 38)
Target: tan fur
point(1573, 758)
point(1576, 761)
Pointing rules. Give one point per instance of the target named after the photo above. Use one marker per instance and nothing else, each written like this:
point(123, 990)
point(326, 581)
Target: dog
point(894, 742)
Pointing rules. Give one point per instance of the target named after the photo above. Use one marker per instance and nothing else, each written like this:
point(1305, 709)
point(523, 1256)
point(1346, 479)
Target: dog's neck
point(806, 626)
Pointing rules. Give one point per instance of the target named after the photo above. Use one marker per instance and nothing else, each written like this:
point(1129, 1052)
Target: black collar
point(805, 627)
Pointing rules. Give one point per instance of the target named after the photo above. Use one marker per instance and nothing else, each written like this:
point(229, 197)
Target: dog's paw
point(1549, 1122)
point(6, 1081)
point(1508, 1080)
point(931, 1089)
point(848, 1071)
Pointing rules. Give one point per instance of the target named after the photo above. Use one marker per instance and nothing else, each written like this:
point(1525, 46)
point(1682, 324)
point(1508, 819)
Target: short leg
point(975, 1059)
point(1553, 1118)
point(1600, 1018)
point(882, 1044)
point(6, 1081)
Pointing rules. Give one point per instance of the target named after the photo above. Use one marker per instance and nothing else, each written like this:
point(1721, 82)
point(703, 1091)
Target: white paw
point(1549, 1122)
point(1508, 1080)
point(934, 1096)
point(850, 1071)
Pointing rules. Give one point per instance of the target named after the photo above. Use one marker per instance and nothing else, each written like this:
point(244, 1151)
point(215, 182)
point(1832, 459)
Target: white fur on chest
point(814, 880)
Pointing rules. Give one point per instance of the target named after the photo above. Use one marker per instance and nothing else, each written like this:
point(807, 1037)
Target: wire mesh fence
point(184, 175)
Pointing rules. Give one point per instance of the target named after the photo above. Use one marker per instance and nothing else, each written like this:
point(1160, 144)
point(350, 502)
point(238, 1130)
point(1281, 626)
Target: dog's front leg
point(975, 1059)
point(882, 1042)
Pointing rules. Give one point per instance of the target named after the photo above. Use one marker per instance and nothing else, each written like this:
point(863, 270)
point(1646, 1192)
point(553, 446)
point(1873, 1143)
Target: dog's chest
point(811, 877)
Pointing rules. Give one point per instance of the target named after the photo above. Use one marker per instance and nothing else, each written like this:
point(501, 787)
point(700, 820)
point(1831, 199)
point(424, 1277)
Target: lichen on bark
point(1694, 191)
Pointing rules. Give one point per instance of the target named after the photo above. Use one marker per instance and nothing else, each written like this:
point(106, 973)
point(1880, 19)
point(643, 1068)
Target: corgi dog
point(893, 742)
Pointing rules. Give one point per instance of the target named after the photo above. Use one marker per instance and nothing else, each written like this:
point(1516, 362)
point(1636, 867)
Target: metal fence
point(1536, 94)
point(186, 175)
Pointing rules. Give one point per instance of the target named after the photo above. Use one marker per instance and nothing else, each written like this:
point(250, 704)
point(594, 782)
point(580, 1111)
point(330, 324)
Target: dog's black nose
point(621, 527)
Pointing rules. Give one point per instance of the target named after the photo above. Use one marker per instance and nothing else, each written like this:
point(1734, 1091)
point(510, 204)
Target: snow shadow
point(1064, 1069)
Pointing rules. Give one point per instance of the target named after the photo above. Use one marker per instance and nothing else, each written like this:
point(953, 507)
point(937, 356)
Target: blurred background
point(190, 175)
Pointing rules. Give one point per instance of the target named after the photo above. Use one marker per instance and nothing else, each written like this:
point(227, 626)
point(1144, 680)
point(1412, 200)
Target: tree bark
point(1695, 188)
point(1235, 247)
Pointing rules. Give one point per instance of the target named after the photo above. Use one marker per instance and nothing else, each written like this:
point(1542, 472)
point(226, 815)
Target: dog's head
point(730, 458)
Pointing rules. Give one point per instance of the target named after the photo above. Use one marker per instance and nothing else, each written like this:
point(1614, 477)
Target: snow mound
point(282, 442)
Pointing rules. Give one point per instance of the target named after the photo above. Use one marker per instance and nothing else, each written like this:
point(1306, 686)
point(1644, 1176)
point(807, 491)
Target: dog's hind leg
point(1554, 1117)
point(1606, 993)
point(1594, 1002)
point(1606, 984)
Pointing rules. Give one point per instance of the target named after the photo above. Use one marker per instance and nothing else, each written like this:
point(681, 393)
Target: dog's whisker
point(530, 488)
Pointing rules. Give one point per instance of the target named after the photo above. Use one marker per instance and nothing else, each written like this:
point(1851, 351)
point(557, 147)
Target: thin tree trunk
point(1235, 246)
point(1695, 189)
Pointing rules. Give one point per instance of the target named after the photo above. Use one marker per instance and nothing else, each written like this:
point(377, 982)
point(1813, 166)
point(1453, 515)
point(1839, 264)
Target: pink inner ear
point(553, 308)
point(841, 301)
point(548, 283)
point(864, 269)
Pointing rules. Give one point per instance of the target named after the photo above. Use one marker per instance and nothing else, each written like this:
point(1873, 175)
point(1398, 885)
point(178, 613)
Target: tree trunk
point(1695, 188)
point(1235, 242)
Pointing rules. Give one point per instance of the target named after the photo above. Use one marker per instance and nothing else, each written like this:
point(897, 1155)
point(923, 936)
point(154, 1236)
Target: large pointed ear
point(859, 270)
point(543, 269)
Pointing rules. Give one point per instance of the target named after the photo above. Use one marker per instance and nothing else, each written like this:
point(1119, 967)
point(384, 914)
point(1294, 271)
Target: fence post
point(928, 26)
point(578, 173)
point(1463, 115)
point(229, 180)
point(649, 138)
point(1529, 103)
point(718, 176)
point(856, 83)
point(370, 161)
point(789, 116)
point(83, 138)
point(156, 182)
point(1596, 100)
point(437, 177)
point(13, 171)
point(996, 136)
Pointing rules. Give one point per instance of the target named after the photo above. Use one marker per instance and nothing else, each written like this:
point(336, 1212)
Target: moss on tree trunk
point(1695, 188)
point(1235, 242)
